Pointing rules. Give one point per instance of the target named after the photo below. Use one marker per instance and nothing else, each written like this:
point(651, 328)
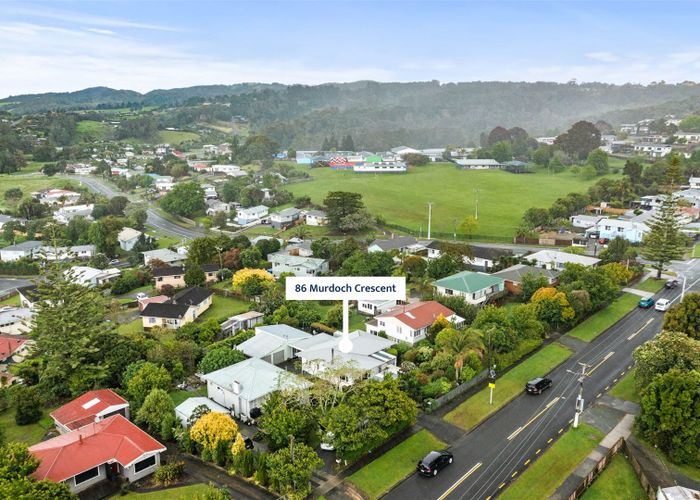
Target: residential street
point(154, 219)
point(492, 455)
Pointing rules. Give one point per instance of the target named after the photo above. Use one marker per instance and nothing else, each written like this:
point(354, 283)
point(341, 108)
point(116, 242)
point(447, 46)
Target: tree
point(530, 283)
point(685, 316)
point(536, 217)
point(670, 418)
point(27, 405)
point(666, 351)
point(415, 159)
point(354, 223)
point(146, 376)
point(502, 151)
point(339, 205)
point(218, 358)
point(290, 469)
point(599, 160)
point(13, 194)
point(194, 276)
point(664, 241)
point(553, 307)
point(103, 234)
point(283, 418)
point(16, 467)
point(155, 408)
point(186, 199)
point(347, 144)
point(543, 155)
point(468, 225)
point(203, 250)
point(371, 264)
point(251, 282)
point(334, 316)
point(251, 257)
point(322, 248)
point(617, 250)
point(582, 138)
point(448, 263)
point(633, 169)
point(212, 430)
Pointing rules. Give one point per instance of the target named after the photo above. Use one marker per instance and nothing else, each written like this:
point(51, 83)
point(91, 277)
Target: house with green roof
point(475, 288)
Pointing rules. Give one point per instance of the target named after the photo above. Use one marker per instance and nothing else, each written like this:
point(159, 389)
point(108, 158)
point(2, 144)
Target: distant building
point(61, 197)
point(185, 306)
point(551, 259)
point(513, 276)
point(282, 262)
point(477, 164)
point(26, 249)
point(316, 218)
point(250, 215)
point(243, 321)
point(128, 237)
point(164, 255)
point(88, 408)
point(65, 214)
point(285, 218)
point(91, 277)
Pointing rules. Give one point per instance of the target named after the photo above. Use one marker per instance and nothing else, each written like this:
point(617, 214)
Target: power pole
point(476, 208)
point(430, 216)
point(492, 370)
point(579, 398)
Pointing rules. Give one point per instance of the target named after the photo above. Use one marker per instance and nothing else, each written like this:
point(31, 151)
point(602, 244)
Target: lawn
point(604, 319)
point(179, 493)
point(92, 130)
point(477, 408)
point(179, 396)
point(696, 251)
point(651, 285)
point(27, 183)
point(625, 388)
point(223, 307)
point(11, 301)
point(380, 475)
point(134, 327)
point(453, 193)
point(552, 468)
point(176, 137)
point(618, 480)
point(30, 434)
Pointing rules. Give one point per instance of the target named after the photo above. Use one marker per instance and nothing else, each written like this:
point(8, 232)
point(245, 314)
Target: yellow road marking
point(519, 429)
point(642, 328)
point(514, 474)
point(607, 357)
point(460, 480)
point(500, 486)
point(538, 451)
point(526, 462)
point(550, 440)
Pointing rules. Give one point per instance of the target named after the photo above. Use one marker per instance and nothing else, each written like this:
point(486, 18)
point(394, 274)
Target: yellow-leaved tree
point(212, 430)
point(251, 282)
point(553, 306)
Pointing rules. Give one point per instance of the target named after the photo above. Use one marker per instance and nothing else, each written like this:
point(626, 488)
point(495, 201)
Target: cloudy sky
point(144, 45)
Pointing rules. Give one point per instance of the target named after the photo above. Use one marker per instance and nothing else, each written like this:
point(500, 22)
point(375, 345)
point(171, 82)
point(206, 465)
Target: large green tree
point(16, 467)
point(664, 241)
point(290, 469)
point(341, 204)
point(666, 351)
point(155, 410)
point(186, 199)
point(685, 316)
point(582, 138)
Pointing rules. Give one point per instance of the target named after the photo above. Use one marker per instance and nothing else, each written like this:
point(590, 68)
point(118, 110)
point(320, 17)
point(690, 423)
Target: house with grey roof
point(184, 410)
point(476, 163)
point(299, 265)
point(400, 243)
point(513, 276)
point(285, 218)
point(271, 343)
point(243, 388)
point(164, 255)
point(26, 249)
point(316, 218)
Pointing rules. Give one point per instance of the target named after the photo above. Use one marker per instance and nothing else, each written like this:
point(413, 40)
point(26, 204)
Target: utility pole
point(430, 216)
point(492, 370)
point(683, 289)
point(476, 207)
point(579, 398)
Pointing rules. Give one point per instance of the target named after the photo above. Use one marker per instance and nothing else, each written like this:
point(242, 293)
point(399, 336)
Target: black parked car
point(538, 385)
point(433, 462)
point(671, 284)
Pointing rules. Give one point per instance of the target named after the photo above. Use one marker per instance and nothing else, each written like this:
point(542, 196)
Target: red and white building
point(410, 322)
point(101, 450)
point(93, 406)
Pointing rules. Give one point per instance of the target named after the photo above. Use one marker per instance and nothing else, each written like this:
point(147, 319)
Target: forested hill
point(420, 114)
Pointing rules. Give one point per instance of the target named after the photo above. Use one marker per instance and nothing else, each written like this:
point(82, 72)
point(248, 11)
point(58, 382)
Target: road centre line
point(459, 481)
point(520, 429)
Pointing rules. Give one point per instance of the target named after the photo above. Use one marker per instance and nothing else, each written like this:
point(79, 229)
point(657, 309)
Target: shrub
point(436, 388)
point(261, 472)
point(169, 473)
point(525, 347)
point(28, 403)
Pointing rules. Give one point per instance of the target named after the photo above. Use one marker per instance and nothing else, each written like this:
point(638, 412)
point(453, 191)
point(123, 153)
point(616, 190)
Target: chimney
point(80, 438)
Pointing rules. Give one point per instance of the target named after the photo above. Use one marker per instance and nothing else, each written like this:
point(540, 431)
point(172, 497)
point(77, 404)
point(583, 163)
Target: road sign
point(492, 385)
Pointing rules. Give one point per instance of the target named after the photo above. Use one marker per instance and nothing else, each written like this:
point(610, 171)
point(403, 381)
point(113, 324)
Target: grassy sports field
point(403, 198)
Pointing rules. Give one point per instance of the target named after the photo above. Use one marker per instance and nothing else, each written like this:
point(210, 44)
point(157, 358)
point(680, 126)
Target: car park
point(670, 284)
point(434, 462)
point(662, 305)
point(538, 385)
point(646, 303)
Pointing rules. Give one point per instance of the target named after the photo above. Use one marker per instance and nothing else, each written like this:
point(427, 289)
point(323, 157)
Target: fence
point(446, 235)
point(457, 391)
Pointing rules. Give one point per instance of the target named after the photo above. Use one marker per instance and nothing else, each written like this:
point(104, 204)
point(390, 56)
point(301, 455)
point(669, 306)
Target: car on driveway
point(538, 385)
point(662, 305)
point(670, 284)
point(646, 303)
point(433, 462)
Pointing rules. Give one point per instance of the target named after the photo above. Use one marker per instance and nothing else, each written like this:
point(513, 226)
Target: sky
point(63, 46)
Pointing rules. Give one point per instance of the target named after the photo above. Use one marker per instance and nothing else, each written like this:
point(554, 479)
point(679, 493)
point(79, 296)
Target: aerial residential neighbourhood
point(341, 250)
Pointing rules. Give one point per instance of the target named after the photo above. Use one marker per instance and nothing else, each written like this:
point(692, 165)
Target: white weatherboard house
point(618, 228)
point(271, 343)
point(164, 255)
point(249, 215)
point(551, 259)
point(410, 323)
point(374, 307)
point(475, 288)
point(285, 218)
point(128, 237)
point(316, 218)
point(26, 249)
point(282, 262)
point(245, 386)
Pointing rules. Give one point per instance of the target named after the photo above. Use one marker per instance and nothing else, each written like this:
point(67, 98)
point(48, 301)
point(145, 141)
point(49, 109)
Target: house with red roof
point(410, 322)
point(93, 406)
point(102, 450)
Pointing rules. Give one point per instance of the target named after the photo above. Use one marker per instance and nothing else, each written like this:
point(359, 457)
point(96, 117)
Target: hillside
point(382, 115)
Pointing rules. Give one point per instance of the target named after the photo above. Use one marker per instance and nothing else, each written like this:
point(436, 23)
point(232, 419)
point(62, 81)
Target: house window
point(87, 475)
point(619, 229)
point(381, 323)
point(151, 320)
point(159, 279)
point(398, 329)
point(607, 228)
point(144, 464)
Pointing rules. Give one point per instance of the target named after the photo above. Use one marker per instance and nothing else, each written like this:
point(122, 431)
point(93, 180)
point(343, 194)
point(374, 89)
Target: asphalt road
point(7, 284)
point(154, 219)
point(493, 454)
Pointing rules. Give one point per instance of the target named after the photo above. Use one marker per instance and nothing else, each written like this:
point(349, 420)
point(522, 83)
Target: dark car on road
point(646, 303)
point(434, 462)
point(538, 385)
point(670, 284)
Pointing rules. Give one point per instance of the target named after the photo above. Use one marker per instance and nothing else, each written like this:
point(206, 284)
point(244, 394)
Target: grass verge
point(477, 408)
point(550, 470)
point(625, 388)
point(651, 285)
point(178, 396)
point(605, 318)
point(179, 493)
point(618, 480)
point(382, 474)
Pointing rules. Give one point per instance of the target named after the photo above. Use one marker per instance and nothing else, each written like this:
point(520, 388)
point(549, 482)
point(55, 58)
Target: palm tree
point(301, 232)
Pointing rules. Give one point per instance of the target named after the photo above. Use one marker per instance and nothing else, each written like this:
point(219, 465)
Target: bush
point(261, 470)
point(20, 268)
point(169, 473)
point(28, 403)
point(524, 348)
point(436, 388)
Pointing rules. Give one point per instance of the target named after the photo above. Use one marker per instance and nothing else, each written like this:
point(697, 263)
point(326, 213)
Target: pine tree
point(664, 242)
point(326, 144)
point(348, 144)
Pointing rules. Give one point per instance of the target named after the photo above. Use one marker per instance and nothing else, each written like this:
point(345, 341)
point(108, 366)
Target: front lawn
point(31, 433)
point(382, 474)
point(131, 328)
point(13, 300)
point(651, 285)
point(605, 318)
point(178, 396)
point(625, 388)
point(554, 465)
point(223, 307)
point(179, 493)
point(618, 480)
point(477, 408)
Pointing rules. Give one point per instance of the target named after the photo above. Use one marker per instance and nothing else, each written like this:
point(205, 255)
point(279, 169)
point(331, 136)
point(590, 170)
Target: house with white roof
point(61, 197)
point(271, 343)
point(184, 410)
point(299, 265)
point(64, 214)
point(66, 253)
point(15, 321)
point(632, 231)
point(226, 169)
point(164, 255)
point(243, 388)
point(374, 307)
point(476, 164)
point(321, 352)
point(653, 150)
point(552, 259)
point(252, 214)
point(91, 277)
point(26, 249)
point(243, 321)
point(285, 218)
point(4, 219)
point(316, 218)
point(128, 237)
point(585, 221)
point(216, 206)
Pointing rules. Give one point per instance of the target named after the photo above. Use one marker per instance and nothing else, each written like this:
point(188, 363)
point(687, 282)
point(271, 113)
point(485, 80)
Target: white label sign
point(346, 288)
